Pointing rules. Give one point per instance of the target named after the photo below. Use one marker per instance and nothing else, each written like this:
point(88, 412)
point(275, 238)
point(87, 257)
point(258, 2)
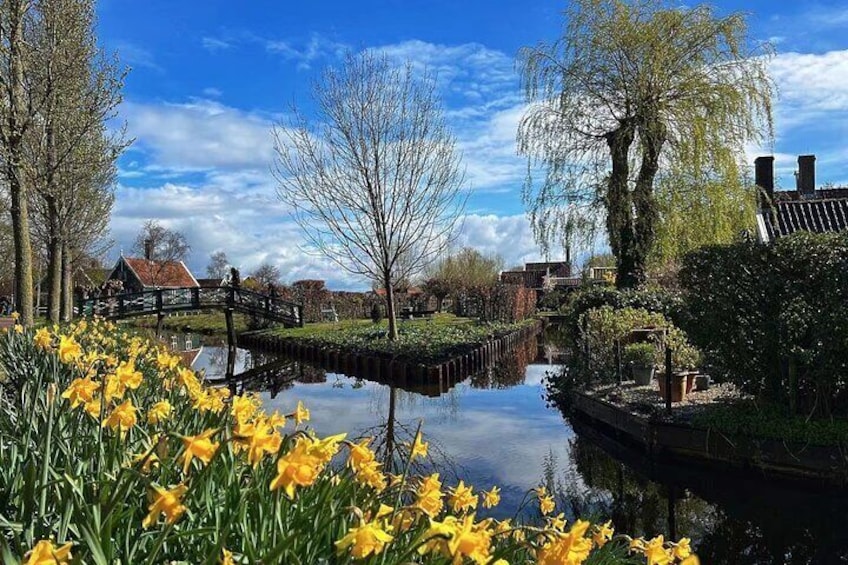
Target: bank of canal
point(496, 427)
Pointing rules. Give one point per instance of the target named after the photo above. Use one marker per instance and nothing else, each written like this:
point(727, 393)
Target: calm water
point(497, 428)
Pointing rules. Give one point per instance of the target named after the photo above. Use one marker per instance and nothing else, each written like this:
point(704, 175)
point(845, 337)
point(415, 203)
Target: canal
point(498, 428)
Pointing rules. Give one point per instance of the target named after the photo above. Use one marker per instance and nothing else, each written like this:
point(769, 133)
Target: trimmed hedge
point(774, 319)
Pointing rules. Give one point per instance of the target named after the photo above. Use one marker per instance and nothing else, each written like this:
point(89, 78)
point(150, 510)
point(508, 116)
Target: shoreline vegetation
point(115, 452)
point(424, 341)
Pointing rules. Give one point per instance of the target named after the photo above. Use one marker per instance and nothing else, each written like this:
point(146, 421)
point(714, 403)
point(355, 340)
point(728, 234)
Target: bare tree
point(375, 180)
point(164, 244)
point(266, 275)
point(219, 265)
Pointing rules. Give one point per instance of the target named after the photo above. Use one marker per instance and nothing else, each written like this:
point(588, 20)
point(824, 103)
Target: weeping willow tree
point(632, 93)
point(696, 211)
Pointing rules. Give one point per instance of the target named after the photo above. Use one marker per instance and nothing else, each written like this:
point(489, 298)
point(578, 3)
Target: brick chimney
point(764, 178)
point(148, 249)
point(806, 176)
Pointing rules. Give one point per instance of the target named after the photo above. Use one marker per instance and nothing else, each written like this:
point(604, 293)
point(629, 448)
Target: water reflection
point(732, 519)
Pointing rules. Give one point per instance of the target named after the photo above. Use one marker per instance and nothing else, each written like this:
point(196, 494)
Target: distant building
point(784, 212)
point(138, 275)
point(533, 275)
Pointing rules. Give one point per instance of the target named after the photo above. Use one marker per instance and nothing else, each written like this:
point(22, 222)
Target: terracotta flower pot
point(679, 385)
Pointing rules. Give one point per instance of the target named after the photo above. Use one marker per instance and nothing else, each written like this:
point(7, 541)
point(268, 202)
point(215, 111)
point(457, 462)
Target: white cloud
point(214, 44)
point(201, 134)
point(212, 92)
point(811, 86)
point(305, 53)
point(136, 56)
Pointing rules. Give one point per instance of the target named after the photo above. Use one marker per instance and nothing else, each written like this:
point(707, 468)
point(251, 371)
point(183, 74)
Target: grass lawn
point(207, 323)
point(425, 341)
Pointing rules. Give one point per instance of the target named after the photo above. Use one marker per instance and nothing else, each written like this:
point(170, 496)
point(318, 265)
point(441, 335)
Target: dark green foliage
point(657, 300)
point(376, 313)
point(774, 319)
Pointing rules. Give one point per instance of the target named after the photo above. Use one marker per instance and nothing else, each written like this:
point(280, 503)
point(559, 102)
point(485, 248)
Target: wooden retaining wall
point(427, 379)
point(687, 443)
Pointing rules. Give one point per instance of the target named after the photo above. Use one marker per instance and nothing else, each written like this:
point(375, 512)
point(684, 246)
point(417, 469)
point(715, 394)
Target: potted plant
point(685, 357)
point(641, 357)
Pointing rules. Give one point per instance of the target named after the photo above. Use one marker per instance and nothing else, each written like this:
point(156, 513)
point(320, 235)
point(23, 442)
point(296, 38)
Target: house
point(138, 275)
point(534, 274)
point(784, 212)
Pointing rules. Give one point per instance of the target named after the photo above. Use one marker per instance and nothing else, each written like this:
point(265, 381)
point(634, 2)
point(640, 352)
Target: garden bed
point(428, 342)
point(719, 427)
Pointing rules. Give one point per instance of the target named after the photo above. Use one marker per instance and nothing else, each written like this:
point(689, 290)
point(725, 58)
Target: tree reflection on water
point(731, 519)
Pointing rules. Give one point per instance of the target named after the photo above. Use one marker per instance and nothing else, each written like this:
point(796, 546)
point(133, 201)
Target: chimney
point(764, 178)
point(148, 249)
point(806, 176)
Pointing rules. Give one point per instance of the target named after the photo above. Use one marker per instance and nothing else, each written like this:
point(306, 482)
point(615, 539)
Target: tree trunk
point(54, 263)
point(619, 204)
point(390, 308)
point(653, 137)
point(14, 166)
point(67, 284)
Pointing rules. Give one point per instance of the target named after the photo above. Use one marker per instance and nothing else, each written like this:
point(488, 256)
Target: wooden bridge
point(164, 301)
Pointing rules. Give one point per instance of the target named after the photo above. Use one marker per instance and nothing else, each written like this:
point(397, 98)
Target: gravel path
point(646, 400)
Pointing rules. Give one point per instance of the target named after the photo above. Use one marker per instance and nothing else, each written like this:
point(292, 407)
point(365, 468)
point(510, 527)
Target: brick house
point(138, 275)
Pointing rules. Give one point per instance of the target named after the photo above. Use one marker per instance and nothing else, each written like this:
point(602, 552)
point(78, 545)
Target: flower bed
point(112, 452)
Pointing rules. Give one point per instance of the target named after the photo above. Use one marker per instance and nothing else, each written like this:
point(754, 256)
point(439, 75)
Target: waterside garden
point(114, 452)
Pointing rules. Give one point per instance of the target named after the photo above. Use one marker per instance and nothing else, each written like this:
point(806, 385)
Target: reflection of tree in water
point(511, 369)
point(736, 526)
point(392, 439)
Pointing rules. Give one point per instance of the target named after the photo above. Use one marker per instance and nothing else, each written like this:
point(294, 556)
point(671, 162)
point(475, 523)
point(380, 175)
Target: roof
point(210, 282)
point(814, 215)
point(557, 268)
point(527, 279)
point(162, 274)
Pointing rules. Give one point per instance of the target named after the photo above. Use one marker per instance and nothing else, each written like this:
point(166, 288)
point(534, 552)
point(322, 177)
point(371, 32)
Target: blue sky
point(210, 78)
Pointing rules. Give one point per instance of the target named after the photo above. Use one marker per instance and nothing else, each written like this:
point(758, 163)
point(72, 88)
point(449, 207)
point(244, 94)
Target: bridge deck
point(168, 300)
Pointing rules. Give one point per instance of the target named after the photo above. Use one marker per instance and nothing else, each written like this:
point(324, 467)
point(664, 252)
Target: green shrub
point(640, 354)
point(602, 327)
point(774, 319)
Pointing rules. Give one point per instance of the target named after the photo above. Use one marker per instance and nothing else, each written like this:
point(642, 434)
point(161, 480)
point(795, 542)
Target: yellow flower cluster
point(175, 428)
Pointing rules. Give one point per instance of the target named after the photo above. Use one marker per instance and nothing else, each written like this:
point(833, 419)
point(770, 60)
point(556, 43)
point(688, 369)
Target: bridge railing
point(167, 300)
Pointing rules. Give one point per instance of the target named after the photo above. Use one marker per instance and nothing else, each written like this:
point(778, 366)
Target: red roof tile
point(168, 274)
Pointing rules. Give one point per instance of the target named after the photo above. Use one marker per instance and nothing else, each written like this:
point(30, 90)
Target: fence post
point(667, 378)
point(159, 300)
point(618, 359)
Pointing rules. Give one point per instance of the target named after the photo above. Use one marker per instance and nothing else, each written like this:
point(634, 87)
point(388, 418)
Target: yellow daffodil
point(243, 408)
point(325, 449)
point(656, 552)
point(167, 502)
point(691, 560)
point(557, 522)
point(360, 454)
point(15, 316)
point(19, 329)
point(430, 495)
point(69, 349)
point(122, 417)
point(570, 548)
point(546, 501)
point(43, 339)
point(199, 446)
point(682, 549)
point(265, 440)
point(603, 533)
point(491, 498)
point(367, 539)
point(81, 391)
point(128, 376)
point(419, 448)
point(227, 558)
point(297, 468)
point(159, 412)
point(45, 553)
point(462, 498)
point(301, 414)
point(370, 474)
